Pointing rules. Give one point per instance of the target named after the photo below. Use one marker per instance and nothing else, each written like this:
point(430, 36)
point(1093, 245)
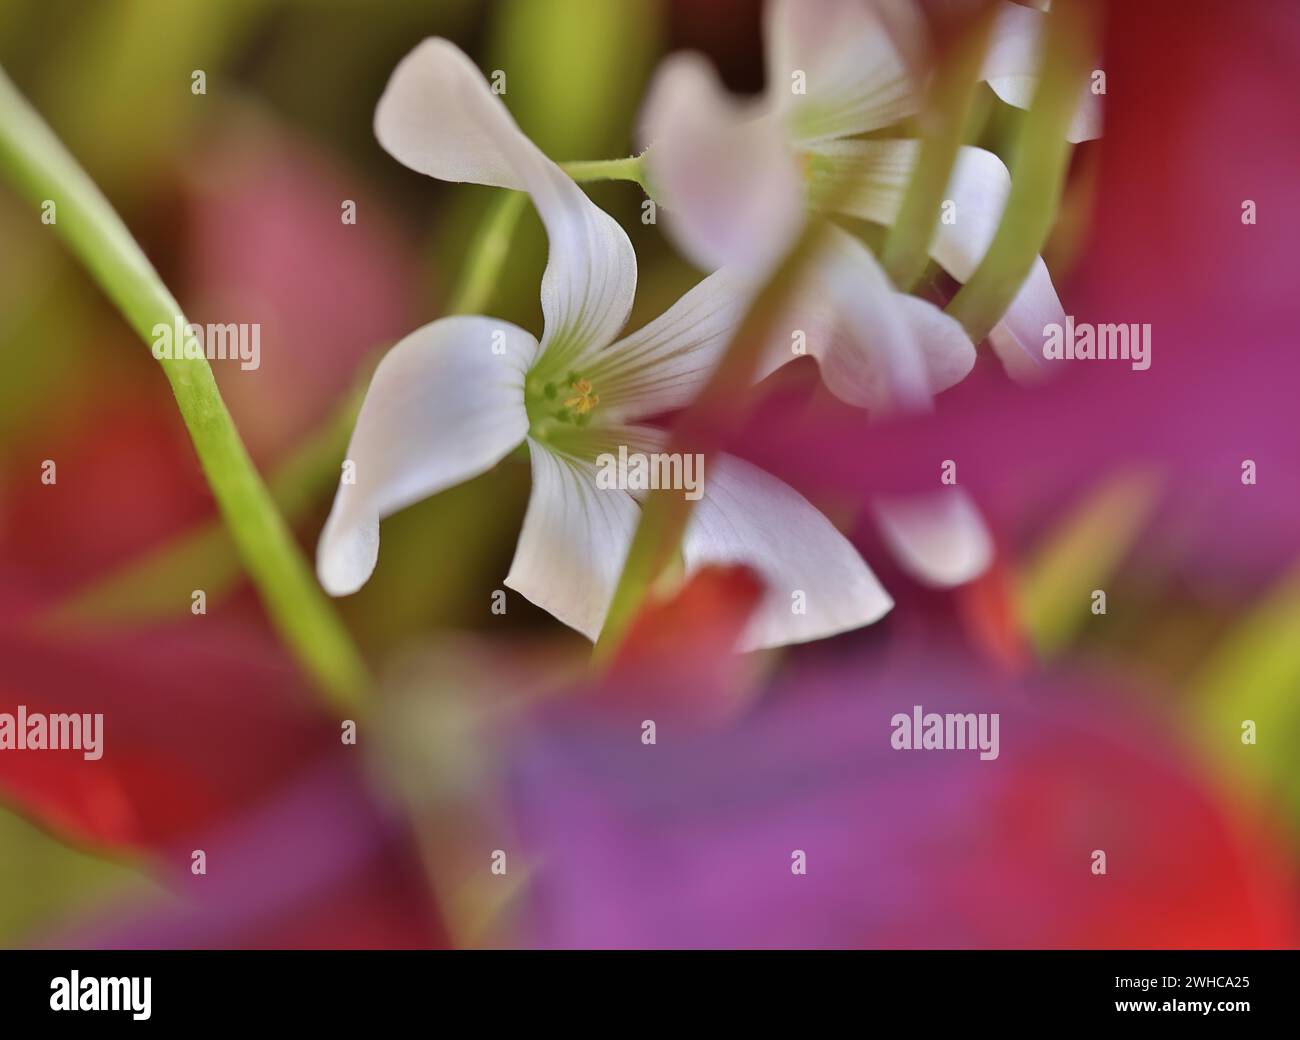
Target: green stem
point(947, 111)
point(630, 169)
point(41, 168)
point(1038, 172)
point(487, 253)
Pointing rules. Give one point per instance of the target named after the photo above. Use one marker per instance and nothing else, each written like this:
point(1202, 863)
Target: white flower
point(736, 176)
point(455, 397)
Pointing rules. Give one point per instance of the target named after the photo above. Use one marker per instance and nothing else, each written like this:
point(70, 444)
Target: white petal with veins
point(442, 407)
point(574, 541)
point(439, 117)
point(747, 516)
point(856, 66)
point(664, 364)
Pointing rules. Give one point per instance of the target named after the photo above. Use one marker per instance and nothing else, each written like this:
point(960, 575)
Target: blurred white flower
point(737, 175)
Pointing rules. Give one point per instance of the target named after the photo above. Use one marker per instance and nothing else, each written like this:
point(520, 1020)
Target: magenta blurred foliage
point(689, 842)
point(1201, 105)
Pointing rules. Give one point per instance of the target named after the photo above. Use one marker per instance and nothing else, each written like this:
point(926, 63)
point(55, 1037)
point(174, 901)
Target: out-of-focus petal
point(443, 406)
point(815, 582)
point(878, 348)
point(1012, 63)
point(946, 350)
point(939, 538)
point(835, 68)
point(574, 541)
point(978, 189)
point(724, 171)
point(439, 117)
point(1018, 338)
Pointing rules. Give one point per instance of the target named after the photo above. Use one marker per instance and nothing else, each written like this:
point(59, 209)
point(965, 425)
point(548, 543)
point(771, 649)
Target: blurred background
point(495, 796)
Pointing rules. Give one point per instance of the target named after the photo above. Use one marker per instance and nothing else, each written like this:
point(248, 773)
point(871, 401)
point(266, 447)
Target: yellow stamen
point(583, 399)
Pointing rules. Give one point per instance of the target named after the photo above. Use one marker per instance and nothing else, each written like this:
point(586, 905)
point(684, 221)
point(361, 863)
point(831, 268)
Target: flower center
point(566, 403)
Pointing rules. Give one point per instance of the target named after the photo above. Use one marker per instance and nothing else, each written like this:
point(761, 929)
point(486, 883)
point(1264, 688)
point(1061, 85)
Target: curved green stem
point(42, 169)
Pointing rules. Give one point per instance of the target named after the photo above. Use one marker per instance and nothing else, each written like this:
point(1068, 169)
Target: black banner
point(1231, 989)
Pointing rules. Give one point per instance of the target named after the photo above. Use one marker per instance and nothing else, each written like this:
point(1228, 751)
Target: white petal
point(1018, 338)
point(748, 516)
point(574, 541)
point(439, 117)
point(854, 66)
point(442, 407)
point(724, 172)
point(1012, 63)
point(662, 365)
point(978, 190)
point(939, 538)
point(878, 348)
point(946, 350)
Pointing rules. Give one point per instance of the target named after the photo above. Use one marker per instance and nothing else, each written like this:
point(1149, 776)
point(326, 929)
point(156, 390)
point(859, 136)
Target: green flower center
point(558, 405)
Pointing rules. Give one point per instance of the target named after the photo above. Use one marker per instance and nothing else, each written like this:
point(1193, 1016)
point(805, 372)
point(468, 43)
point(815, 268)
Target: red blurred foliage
point(685, 643)
point(127, 479)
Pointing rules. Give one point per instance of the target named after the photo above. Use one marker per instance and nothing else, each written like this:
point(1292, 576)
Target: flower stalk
point(630, 169)
point(487, 254)
point(40, 168)
point(1038, 172)
point(948, 105)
